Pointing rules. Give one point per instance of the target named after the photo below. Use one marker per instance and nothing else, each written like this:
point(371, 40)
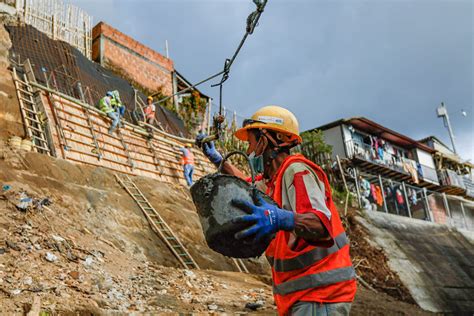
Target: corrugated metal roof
point(376, 129)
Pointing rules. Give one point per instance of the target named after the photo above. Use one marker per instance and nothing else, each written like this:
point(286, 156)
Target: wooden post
point(175, 90)
point(407, 201)
point(430, 213)
point(53, 26)
point(209, 117)
point(342, 173)
point(357, 187)
point(383, 194)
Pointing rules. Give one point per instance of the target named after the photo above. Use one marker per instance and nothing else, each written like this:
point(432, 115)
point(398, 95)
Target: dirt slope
point(103, 257)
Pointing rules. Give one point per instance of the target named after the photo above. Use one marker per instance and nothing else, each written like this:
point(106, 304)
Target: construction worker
point(150, 111)
point(309, 254)
point(117, 104)
point(187, 160)
point(105, 105)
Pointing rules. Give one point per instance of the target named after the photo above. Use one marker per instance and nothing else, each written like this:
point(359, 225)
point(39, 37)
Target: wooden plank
point(114, 153)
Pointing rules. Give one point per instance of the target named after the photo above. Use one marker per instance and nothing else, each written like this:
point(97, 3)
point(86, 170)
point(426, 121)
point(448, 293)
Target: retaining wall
point(434, 261)
point(72, 137)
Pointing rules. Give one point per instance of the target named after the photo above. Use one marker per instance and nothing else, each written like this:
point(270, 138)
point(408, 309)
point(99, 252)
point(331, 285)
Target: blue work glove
point(209, 149)
point(266, 218)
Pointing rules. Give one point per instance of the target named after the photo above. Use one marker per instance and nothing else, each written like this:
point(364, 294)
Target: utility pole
point(167, 49)
point(442, 111)
point(209, 116)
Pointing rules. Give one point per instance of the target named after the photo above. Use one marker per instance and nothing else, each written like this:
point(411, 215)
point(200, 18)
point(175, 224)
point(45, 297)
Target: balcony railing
point(367, 152)
point(429, 174)
point(469, 184)
point(450, 178)
point(397, 163)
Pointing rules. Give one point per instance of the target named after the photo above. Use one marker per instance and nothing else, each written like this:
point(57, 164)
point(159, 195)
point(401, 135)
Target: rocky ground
point(78, 245)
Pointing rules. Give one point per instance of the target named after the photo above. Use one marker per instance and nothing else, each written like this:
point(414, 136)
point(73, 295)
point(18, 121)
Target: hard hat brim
point(242, 133)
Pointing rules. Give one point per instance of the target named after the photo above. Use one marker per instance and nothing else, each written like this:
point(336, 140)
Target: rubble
point(50, 257)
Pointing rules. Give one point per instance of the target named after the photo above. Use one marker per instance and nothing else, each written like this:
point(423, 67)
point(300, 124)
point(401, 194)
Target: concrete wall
point(425, 158)
point(334, 137)
point(139, 63)
point(435, 262)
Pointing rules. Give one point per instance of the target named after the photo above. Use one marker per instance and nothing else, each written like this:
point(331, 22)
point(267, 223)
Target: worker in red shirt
point(150, 110)
point(309, 255)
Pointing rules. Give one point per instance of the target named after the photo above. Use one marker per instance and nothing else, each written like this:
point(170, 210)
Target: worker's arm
point(309, 227)
point(303, 211)
point(306, 196)
point(229, 168)
point(210, 151)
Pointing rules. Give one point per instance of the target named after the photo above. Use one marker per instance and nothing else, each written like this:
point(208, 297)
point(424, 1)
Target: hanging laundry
point(410, 167)
point(378, 196)
point(373, 195)
point(399, 195)
point(381, 154)
point(365, 187)
point(419, 169)
point(373, 154)
point(413, 197)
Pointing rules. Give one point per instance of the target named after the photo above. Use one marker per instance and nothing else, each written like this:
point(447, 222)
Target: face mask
point(256, 162)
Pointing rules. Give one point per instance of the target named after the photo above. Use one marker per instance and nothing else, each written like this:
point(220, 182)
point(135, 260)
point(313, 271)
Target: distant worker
point(309, 253)
point(150, 111)
point(117, 104)
point(105, 105)
point(187, 160)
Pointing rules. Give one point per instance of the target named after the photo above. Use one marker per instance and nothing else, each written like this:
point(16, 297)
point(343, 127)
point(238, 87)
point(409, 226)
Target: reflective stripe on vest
point(308, 258)
point(315, 280)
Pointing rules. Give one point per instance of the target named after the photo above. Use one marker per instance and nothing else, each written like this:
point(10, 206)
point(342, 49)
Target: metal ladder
point(97, 150)
point(240, 265)
point(34, 126)
point(156, 158)
point(124, 144)
point(59, 127)
point(157, 223)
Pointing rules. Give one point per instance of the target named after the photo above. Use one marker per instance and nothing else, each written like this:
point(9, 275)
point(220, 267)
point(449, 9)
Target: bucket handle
point(252, 172)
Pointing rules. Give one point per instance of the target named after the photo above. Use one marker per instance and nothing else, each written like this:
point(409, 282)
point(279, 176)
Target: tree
point(314, 147)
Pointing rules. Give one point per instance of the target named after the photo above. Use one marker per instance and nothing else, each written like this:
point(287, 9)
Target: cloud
point(391, 61)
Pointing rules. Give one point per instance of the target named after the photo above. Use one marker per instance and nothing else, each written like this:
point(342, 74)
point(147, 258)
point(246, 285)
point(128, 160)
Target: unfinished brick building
point(139, 63)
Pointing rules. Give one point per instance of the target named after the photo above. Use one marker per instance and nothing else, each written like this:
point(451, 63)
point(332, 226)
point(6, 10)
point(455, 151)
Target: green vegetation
point(314, 144)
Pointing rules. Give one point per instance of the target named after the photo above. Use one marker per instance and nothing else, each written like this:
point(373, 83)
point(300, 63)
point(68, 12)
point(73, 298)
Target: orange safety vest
point(187, 159)
point(311, 274)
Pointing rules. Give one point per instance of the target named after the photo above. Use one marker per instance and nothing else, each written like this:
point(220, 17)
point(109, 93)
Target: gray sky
point(391, 61)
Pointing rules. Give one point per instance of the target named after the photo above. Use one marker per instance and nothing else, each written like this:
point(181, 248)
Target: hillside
point(105, 256)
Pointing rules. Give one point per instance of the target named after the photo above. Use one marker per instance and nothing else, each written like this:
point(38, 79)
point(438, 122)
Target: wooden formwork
point(86, 140)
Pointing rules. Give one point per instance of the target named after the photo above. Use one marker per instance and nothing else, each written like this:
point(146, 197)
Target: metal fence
point(59, 20)
point(399, 198)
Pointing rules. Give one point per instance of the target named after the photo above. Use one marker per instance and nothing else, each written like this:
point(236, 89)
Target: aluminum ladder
point(240, 265)
point(31, 117)
point(157, 223)
point(125, 147)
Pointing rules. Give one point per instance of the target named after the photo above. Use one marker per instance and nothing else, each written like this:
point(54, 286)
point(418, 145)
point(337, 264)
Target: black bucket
point(212, 196)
